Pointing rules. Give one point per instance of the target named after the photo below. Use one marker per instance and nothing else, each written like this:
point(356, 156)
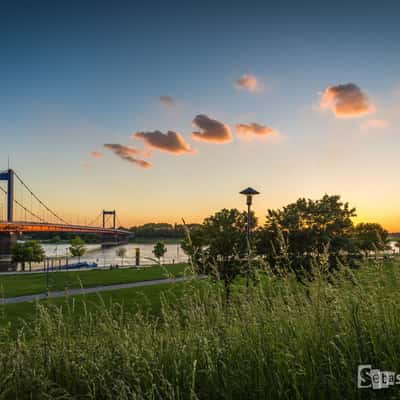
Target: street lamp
point(249, 193)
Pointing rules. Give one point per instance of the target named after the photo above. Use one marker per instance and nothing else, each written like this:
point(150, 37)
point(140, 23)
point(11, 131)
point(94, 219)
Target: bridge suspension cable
point(24, 208)
point(92, 223)
point(39, 201)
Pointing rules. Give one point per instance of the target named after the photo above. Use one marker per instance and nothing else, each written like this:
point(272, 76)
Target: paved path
point(73, 292)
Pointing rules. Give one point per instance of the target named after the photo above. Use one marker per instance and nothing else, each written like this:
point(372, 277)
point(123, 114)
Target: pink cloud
point(249, 82)
point(96, 154)
point(373, 124)
point(254, 130)
point(211, 130)
point(170, 142)
point(126, 153)
point(346, 101)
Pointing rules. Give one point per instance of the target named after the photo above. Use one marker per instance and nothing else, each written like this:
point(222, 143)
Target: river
point(107, 256)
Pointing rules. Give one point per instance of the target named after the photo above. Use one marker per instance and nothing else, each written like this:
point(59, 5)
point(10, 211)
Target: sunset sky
point(166, 110)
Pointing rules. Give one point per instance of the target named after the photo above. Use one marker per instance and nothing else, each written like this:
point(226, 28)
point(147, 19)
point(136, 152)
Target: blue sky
point(75, 76)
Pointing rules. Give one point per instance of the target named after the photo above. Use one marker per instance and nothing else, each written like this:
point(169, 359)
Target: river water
point(108, 256)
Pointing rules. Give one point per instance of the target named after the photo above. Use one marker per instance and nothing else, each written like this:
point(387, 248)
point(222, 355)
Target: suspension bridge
point(22, 211)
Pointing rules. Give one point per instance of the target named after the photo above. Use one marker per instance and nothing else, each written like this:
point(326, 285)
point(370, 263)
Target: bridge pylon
point(107, 213)
point(9, 177)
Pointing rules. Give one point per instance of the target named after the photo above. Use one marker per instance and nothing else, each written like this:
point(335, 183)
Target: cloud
point(346, 101)
point(167, 101)
point(249, 83)
point(96, 154)
point(170, 142)
point(254, 130)
point(211, 130)
point(373, 124)
point(127, 153)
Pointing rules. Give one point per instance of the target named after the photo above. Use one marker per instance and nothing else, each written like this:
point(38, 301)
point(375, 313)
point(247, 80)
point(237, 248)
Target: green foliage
point(306, 232)
point(159, 250)
point(30, 251)
point(77, 247)
point(219, 246)
point(370, 237)
point(159, 230)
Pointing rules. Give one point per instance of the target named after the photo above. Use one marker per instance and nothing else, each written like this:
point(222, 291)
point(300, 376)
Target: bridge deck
point(20, 227)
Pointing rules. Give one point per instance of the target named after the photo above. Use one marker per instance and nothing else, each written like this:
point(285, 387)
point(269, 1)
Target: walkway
point(96, 289)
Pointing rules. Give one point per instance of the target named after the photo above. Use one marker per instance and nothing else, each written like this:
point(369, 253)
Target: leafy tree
point(77, 247)
point(31, 251)
point(121, 252)
point(307, 231)
point(370, 237)
point(219, 247)
point(159, 250)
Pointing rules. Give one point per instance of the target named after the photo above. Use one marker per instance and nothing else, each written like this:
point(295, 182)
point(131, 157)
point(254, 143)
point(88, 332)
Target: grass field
point(284, 341)
point(145, 299)
point(24, 284)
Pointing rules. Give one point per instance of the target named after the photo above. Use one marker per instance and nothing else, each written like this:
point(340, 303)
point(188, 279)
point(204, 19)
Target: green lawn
point(24, 284)
point(147, 299)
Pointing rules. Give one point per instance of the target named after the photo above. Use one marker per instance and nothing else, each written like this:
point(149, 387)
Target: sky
point(166, 110)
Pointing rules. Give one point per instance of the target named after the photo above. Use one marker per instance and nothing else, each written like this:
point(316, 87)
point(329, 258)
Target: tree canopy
point(30, 251)
point(370, 237)
point(305, 231)
point(77, 247)
point(219, 246)
point(159, 250)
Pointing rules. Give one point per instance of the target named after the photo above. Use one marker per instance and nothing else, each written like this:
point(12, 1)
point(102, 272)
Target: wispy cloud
point(211, 130)
point(96, 154)
point(346, 101)
point(126, 153)
point(255, 130)
point(250, 83)
point(373, 124)
point(170, 142)
point(167, 101)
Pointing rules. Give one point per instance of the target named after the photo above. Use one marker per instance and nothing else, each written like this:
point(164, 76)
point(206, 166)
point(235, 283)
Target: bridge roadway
point(26, 227)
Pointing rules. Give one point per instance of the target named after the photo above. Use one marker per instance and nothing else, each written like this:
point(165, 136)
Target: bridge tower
point(9, 177)
point(107, 213)
point(8, 239)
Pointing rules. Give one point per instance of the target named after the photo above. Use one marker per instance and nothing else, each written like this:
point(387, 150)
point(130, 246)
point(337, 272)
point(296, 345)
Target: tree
point(308, 231)
point(218, 247)
point(370, 237)
point(77, 247)
point(159, 250)
point(121, 252)
point(31, 251)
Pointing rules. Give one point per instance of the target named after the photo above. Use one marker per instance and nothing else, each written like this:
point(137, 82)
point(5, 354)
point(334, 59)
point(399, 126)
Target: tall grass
point(286, 341)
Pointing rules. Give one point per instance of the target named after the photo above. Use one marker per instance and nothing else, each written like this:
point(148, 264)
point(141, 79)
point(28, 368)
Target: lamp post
point(249, 193)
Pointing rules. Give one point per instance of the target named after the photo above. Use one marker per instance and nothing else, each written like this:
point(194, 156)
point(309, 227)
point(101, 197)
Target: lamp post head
point(249, 193)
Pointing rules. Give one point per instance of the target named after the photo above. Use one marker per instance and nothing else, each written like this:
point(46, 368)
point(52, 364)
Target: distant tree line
point(151, 230)
point(161, 230)
point(61, 237)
